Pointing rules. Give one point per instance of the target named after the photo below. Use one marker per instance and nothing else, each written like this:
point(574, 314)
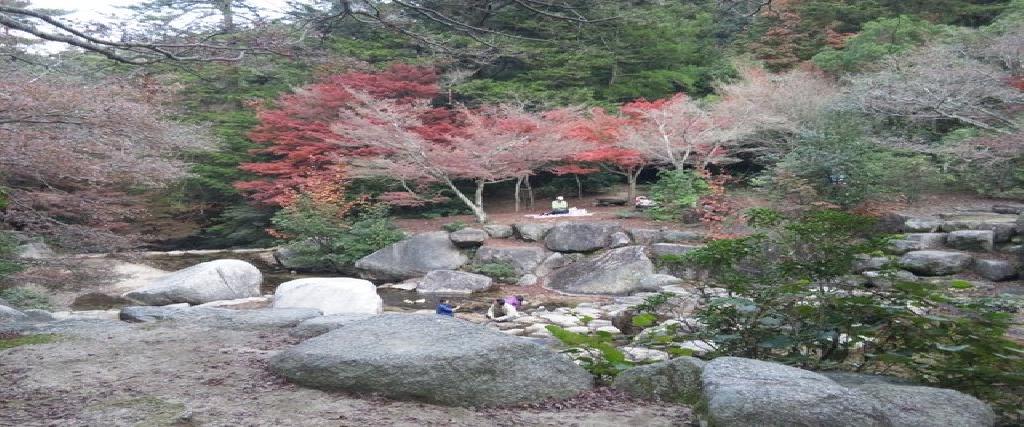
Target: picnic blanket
point(572, 212)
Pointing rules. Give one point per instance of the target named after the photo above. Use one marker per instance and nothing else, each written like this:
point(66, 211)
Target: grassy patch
point(20, 340)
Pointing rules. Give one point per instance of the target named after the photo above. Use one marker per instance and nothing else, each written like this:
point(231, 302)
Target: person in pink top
point(515, 301)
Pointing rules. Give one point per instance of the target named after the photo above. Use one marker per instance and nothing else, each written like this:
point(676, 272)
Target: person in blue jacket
point(444, 308)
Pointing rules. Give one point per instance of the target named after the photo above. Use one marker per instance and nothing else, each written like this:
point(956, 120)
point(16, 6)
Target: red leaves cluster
point(298, 130)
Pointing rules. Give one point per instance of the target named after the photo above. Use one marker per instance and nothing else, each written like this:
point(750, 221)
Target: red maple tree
point(298, 129)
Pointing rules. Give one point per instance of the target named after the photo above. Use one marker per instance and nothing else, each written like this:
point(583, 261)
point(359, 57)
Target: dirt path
point(113, 373)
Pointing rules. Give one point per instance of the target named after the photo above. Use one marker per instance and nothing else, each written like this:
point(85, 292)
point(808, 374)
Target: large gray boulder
point(615, 272)
point(499, 231)
point(454, 282)
point(468, 237)
point(523, 258)
point(412, 257)
point(222, 279)
point(580, 236)
point(330, 295)
point(8, 314)
point(971, 240)
point(747, 392)
point(676, 380)
point(935, 263)
point(644, 236)
point(676, 236)
point(995, 269)
point(321, 325)
point(221, 317)
point(435, 359)
point(553, 262)
point(532, 232)
point(910, 406)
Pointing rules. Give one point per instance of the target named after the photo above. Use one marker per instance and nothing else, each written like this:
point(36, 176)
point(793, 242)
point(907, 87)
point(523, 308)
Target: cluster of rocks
point(574, 257)
point(985, 244)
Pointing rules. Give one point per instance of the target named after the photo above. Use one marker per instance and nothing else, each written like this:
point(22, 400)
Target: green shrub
point(25, 298)
point(320, 236)
point(787, 301)
point(499, 271)
point(675, 191)
point(595, 352)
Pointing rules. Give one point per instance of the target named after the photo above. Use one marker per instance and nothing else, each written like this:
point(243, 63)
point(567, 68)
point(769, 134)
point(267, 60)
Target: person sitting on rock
point(501, 312)
point(515, 301)
point(559, 206)
point(444, 308)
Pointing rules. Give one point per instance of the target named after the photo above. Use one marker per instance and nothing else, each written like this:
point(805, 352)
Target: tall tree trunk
point(579, 186)
point(631, 178)
point(519, 183)
point(478, 197)
point(529, 191)
point(227, 15)
point(476, 205)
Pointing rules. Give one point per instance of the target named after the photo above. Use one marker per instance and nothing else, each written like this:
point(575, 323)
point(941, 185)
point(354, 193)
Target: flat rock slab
point(221, 317)
point(615, 272)
point(435, 359)
point(580, 236)
point(468, 237)
point(412, 257)
point(532, 232)
point(910, 406)
point(222, 279)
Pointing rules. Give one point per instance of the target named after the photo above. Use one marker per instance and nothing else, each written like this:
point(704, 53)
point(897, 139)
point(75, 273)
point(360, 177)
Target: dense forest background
point(190, 123)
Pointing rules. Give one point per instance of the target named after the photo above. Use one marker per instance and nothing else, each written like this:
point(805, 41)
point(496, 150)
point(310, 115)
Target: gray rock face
point(935, 263)
point(615, 272)
point(551, 263)
point(35, 315)
point(865, 263)
point(922, 225)
point(412, 257)
point(995, 270)
point(644, 236)
point(618, 240)
point(747, 392)
point(580, 236)
point(201, 283)
point(971, 240)
point(8, 314)
point(655, 282)
point(527, 280)
point(524, 258)
point(661, 249)
point(454, 282)
point(677, 236)
point(499, 231)
point(909, 406)
point(1002, 226)
point(436, 359)
point(532, 232)
point(321, 325)
point(468, 237)
point(917, 242)
point(221, 317)
point(676, 380)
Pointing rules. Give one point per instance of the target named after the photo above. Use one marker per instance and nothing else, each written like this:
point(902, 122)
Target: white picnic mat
point(572, 212)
